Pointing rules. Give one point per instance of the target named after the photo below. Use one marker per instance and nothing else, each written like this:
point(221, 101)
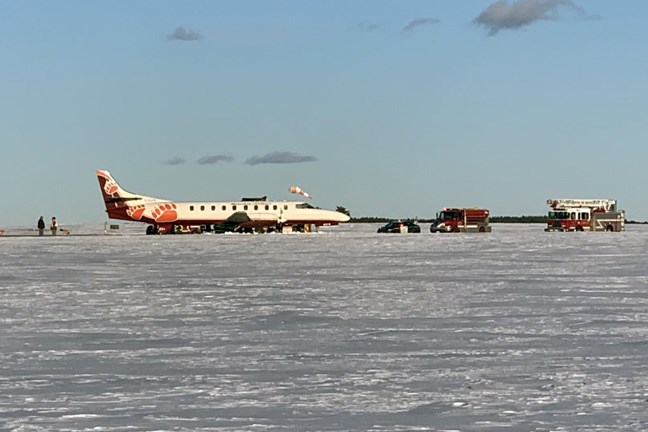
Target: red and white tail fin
point(118, 201)
point(112, 192)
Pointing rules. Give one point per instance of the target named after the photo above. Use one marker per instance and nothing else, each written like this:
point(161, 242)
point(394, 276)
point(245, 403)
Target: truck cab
point(461, 220)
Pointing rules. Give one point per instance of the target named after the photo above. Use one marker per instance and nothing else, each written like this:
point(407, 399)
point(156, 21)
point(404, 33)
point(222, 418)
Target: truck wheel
point(579, 228)
point(482, 229)
point(609, 228)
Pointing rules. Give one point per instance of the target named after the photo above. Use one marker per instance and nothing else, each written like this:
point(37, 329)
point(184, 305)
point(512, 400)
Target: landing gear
point(151, 230)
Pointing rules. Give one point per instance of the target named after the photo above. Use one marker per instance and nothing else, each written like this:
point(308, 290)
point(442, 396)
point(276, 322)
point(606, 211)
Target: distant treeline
point(518, 219)
point(372, 219)
point(494, 219)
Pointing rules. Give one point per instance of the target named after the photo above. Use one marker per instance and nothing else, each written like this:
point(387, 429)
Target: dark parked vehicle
point(400, 226)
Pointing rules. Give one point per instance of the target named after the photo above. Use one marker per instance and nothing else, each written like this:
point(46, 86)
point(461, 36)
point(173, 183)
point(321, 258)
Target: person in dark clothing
point(41, 226)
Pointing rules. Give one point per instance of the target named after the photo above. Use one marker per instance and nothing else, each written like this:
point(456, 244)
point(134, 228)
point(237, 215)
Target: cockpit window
point(304, 206)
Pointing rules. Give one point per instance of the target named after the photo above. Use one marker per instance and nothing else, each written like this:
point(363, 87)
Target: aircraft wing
point(243, 219)
point(238, 218)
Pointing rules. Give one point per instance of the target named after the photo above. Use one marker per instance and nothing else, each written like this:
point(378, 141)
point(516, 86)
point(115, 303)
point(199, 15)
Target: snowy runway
point(516, 330)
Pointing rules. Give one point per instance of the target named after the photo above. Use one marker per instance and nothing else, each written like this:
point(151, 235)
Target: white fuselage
point(278, 211)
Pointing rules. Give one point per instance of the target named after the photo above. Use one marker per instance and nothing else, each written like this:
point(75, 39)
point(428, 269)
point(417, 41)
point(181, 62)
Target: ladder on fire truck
point(605, 204)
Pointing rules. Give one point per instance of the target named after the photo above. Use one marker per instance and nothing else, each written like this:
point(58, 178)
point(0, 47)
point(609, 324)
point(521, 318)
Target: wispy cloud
point(418, 22)
point(367, 27)
point(185, 35)
point(214, 159)
point(503, 15)
point(279, 157)
point(177, 160)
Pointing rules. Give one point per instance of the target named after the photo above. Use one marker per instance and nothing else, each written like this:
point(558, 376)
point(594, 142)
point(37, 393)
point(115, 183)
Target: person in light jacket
point(54, 226)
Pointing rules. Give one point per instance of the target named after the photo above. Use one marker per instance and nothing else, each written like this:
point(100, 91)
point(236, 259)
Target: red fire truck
point(584, 215)
point(461, 220)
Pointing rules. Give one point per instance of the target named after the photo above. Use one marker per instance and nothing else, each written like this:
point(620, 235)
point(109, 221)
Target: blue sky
point(478, 103)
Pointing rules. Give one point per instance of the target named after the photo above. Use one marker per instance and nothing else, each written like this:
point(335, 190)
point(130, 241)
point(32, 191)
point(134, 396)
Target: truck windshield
point(448, 215)
point(558, 215)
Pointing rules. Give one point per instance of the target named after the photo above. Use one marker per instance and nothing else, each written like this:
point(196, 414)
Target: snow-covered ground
point(346, 329)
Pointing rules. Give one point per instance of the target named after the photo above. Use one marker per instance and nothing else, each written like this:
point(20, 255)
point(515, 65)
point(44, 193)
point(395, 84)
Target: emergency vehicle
point(584, 215)
point(461, 220)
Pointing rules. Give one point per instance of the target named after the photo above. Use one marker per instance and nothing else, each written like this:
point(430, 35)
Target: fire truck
point(584, 215)
point(461, 220)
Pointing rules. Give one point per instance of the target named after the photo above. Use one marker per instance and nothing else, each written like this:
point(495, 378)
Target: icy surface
point(517, 330)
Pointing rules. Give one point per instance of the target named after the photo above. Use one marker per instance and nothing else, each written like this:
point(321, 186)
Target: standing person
point(41, 226)
point(54, 226)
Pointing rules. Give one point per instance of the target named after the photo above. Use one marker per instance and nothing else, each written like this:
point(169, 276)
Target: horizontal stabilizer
point(121, 199)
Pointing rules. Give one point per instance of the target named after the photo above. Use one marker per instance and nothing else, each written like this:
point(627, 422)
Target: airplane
point(247, 215)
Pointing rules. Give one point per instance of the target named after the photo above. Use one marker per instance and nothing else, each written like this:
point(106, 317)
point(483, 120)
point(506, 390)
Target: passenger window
point(573, 216)
point(213, 208)
point(274, 207)
point(245, 207)
point(191, 208)
point(202, 208)
point(285, 207)
point(224, 208)
point(233, 207)
point(256, 207)
point(267, 207)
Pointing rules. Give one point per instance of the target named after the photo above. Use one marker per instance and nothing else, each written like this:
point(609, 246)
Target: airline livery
point(247, 215)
